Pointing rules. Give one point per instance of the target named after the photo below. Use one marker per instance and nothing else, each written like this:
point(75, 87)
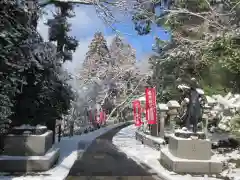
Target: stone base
point(27, 145)
point(179, 165)
point(199, 149)
point(29, 163)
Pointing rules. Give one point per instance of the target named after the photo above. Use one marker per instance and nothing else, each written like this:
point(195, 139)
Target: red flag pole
point(150, 94)
point(137, 112)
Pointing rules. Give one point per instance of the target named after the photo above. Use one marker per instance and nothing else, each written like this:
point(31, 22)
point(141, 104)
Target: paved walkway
point(103, 161)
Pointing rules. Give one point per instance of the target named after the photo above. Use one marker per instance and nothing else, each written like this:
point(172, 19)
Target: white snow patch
point(27, 126)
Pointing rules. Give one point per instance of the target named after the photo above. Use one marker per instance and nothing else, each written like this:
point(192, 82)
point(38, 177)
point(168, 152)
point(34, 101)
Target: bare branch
point(110, 115)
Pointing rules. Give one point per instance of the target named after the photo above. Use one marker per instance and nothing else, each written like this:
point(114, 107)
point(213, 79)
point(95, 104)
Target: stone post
point(207, 112)
point(154, 129)
point(173, 107)
point(71, 128)
point(207, 109)
point(163, 108)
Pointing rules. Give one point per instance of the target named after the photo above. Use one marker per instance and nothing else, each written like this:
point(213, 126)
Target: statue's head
point(193, 83)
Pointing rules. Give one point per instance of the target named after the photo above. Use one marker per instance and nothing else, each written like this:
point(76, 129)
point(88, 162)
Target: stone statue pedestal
point(28, 145)
point(28, 153)
point(190, 155)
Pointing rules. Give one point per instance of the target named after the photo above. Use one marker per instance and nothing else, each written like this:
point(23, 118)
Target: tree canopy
point(32, 88)
point(204, 44)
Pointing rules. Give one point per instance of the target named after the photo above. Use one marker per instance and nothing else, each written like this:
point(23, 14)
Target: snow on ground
point(125, 141)
point(68, 155)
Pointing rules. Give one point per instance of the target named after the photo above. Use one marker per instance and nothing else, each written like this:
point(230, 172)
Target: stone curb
point(153, 142)
point(162, 176)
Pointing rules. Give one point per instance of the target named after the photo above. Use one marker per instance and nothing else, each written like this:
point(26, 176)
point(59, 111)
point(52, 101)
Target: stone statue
point(193, 114)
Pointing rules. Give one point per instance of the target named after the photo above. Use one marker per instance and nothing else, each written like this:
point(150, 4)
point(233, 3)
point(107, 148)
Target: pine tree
point(98, 60)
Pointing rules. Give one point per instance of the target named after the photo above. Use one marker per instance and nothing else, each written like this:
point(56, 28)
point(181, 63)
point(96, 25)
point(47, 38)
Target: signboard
point(151, 109)
point(137, 112)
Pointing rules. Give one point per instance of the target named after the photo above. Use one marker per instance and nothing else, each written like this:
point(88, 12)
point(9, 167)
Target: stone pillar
point(207, 112)
point(71, 128)
point(154, 129)
point(163, 108)
point(173, 107)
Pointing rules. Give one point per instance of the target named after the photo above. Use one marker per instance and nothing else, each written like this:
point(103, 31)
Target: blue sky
point(86, 23)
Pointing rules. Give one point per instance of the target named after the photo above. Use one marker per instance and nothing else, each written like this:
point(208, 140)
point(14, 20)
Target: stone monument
point(190, 155)
point(189, 151)
point(163, 108)
point(28, 149)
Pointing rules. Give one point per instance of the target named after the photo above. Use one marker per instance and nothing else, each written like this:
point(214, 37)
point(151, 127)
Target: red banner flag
point(97, 118)
point(101, 117)
point(137, 112)
point(151, 110)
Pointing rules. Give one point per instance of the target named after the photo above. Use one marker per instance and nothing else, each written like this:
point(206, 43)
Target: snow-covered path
point(125, 141)
point(102, 159)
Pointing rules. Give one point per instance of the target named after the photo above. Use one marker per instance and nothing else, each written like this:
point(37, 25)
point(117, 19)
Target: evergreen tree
point(98, 60)
point(124, 59)
point(59, 29)
point(32, 90)
point(200, 33)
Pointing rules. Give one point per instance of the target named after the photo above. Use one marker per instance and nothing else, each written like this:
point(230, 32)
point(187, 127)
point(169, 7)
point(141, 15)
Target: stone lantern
point(173, 107)
point(163, 108)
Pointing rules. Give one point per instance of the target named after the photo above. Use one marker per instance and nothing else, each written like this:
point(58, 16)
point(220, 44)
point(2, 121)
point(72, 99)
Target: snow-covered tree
point(59, 29)
point(122, 54)
point(98, 60)
point(31, 88)
point(112, 69)
point(204, 42)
